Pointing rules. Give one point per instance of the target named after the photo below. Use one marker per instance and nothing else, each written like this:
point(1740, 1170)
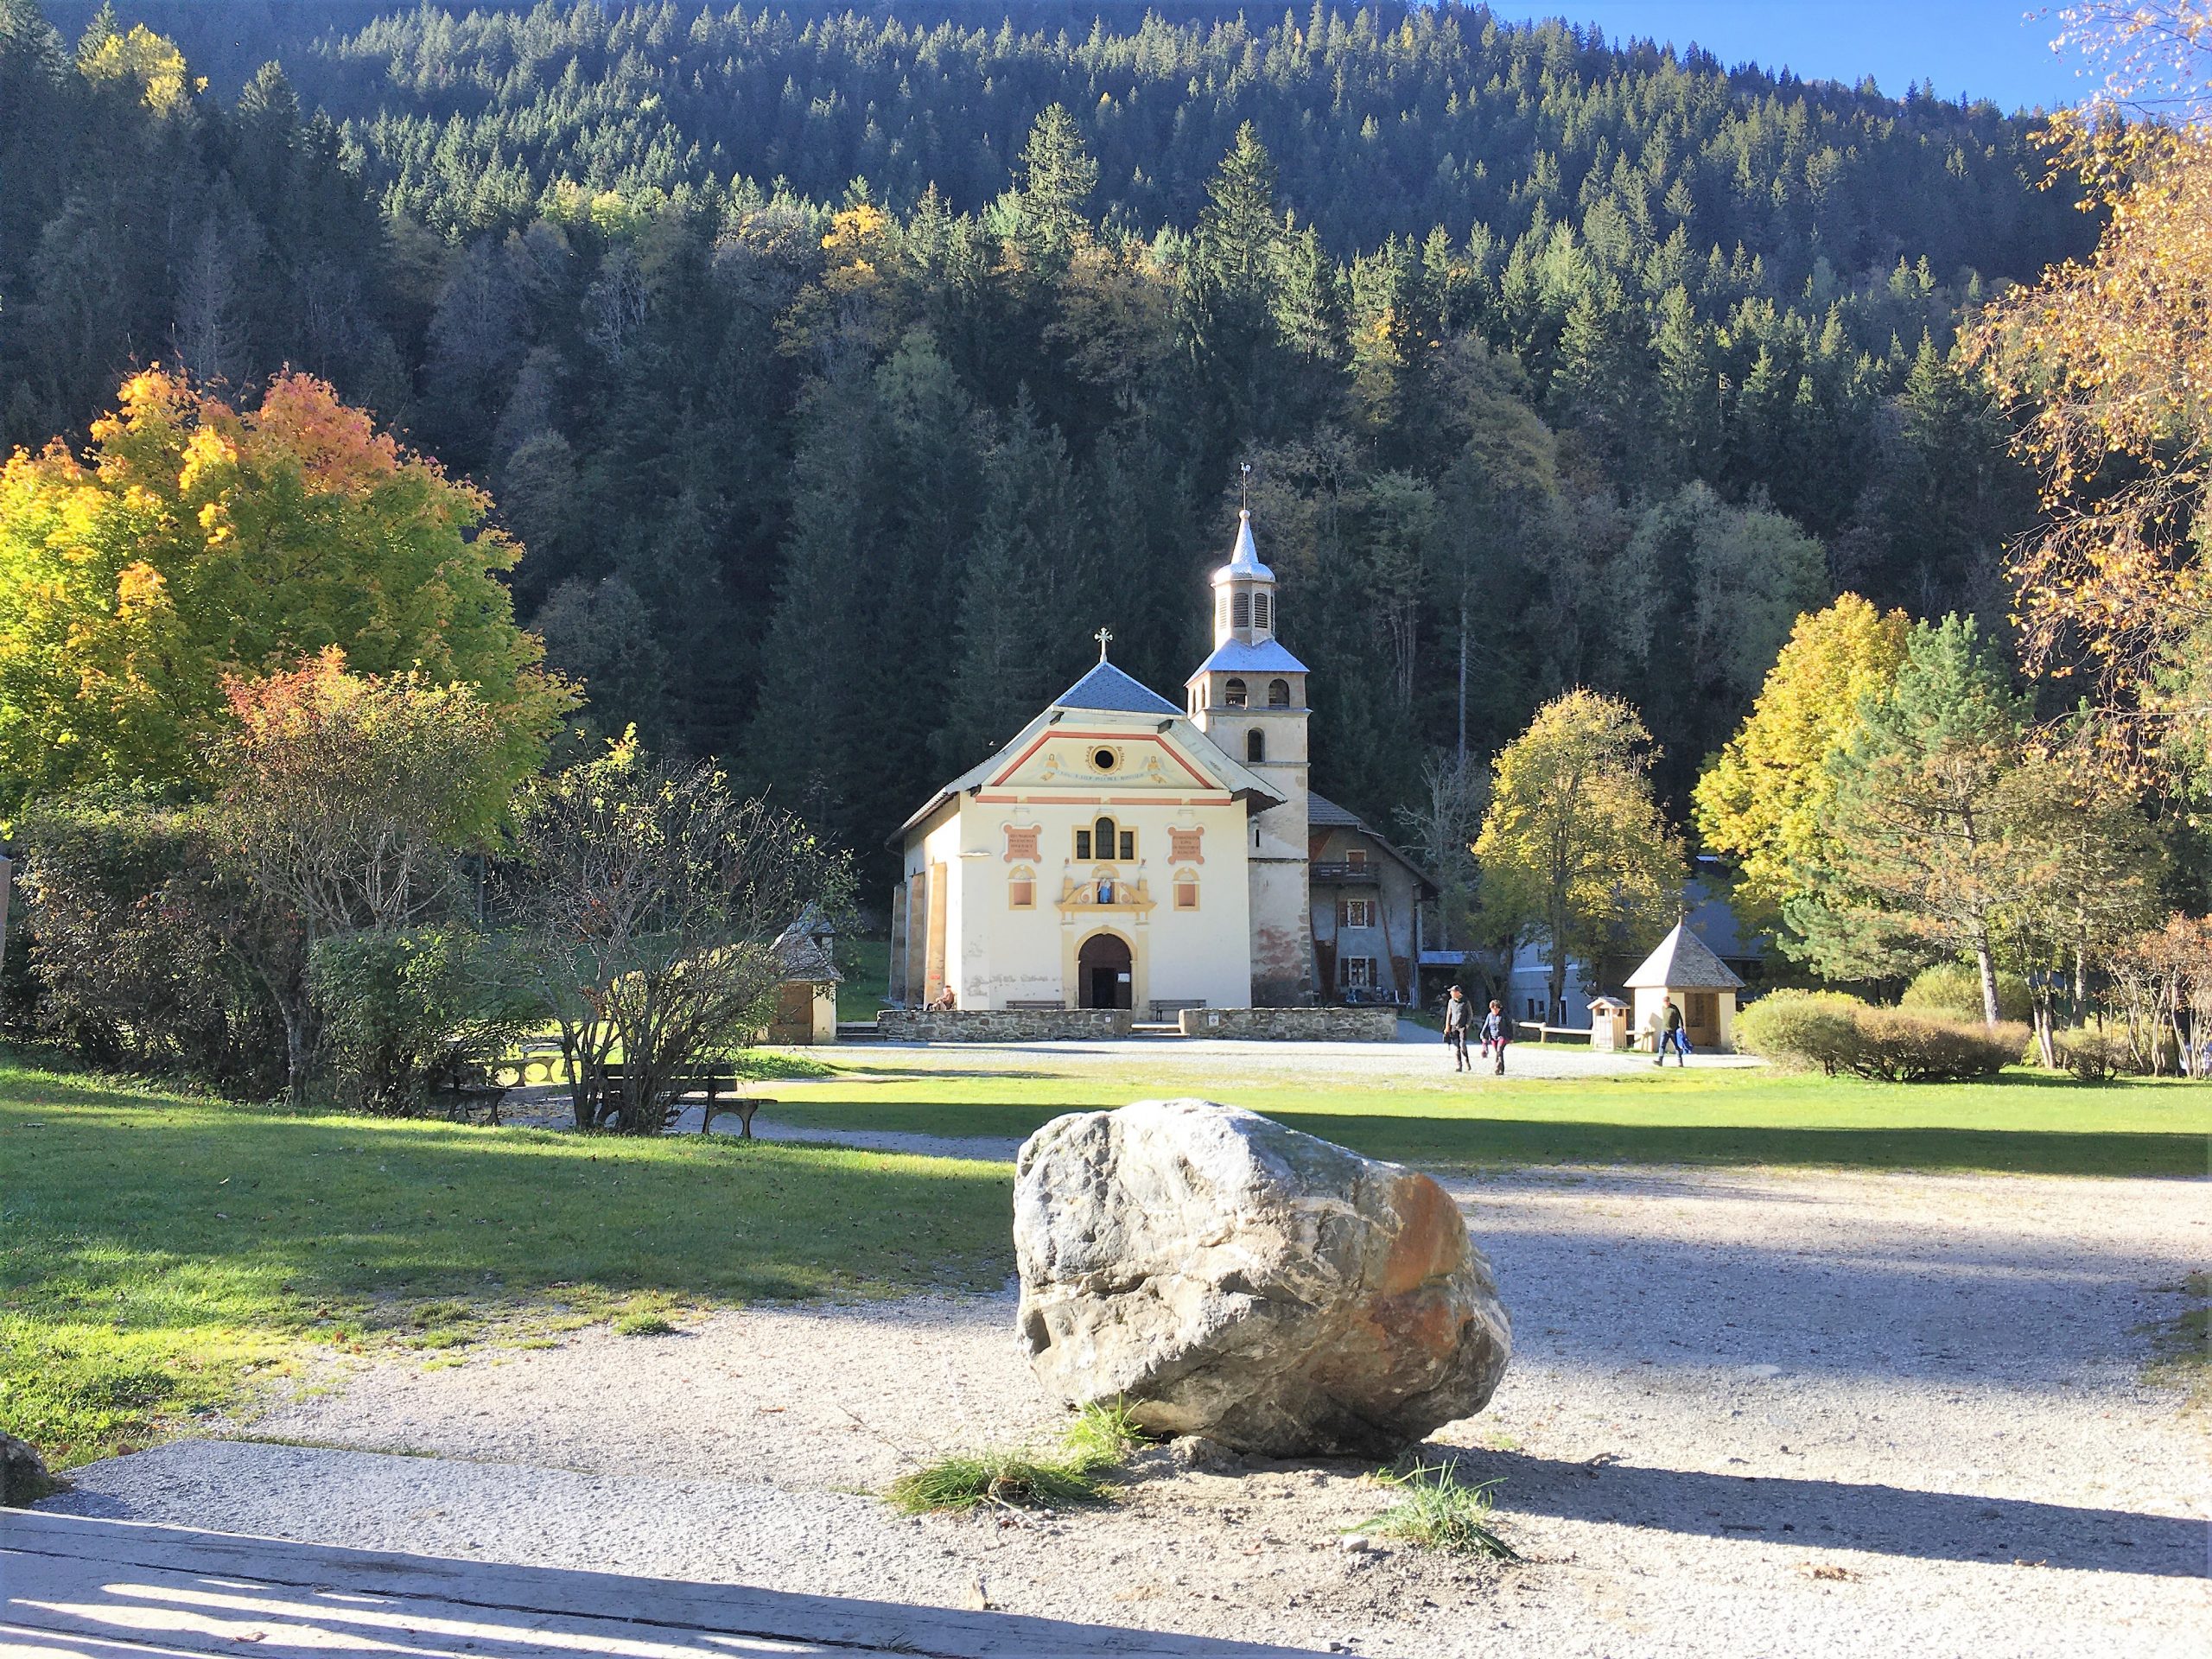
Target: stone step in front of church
point(1315, 1025)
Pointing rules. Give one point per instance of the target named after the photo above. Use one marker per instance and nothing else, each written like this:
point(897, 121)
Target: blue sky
point(1985, 48)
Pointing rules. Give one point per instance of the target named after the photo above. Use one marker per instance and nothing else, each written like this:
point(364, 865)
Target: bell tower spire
point(1250, 697)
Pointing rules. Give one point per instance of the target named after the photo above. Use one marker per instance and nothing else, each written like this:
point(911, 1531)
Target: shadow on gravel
point(1841, 1515)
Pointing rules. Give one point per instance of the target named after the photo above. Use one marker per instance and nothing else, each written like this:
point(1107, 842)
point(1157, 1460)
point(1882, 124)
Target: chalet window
point(1356, 856)
point(1260, 608)
point(1186, 890)
point(1128, 846)
point(1233, 693)
point(1256, 747)
point(1082, 845)
point(1241, 610)
point(1354, 973)
point(1359, 912)
point(1021, 889)
point(1278, 694)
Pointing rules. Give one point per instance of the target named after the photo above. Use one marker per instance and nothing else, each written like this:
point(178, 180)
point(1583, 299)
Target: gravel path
point(1748, 1414)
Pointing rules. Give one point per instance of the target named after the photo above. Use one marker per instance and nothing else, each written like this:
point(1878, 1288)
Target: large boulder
point(1228, 1277)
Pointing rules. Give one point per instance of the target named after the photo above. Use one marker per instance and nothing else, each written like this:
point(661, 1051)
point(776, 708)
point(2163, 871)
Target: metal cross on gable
point(1105, 637)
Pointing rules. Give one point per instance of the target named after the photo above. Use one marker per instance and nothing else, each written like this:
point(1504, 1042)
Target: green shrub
point(1802, 1030)
point(2093, 1056)
point(1904, 1046)
point(405, 1014)
point(146, 953)
point(1952, 990)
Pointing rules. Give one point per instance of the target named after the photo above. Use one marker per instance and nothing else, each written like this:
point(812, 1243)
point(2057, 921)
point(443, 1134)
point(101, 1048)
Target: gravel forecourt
point(1748, 1413)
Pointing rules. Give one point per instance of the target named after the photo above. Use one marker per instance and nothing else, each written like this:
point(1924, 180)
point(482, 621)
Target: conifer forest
point(842, 369)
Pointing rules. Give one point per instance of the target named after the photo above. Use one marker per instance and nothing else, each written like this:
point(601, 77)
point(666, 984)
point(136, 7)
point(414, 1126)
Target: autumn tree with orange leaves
point(2108, 365)
point(197, 544)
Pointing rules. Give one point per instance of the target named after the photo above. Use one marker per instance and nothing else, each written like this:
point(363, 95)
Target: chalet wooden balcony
point(1345, 872)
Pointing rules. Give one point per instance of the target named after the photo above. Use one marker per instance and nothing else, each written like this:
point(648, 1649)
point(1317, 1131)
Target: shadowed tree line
point(841, 374)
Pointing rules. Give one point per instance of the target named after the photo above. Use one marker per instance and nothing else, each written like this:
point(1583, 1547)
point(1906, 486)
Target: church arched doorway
point(1104, 976)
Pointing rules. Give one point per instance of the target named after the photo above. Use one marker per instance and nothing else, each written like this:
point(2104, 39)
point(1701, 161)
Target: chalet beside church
point(1123, 852)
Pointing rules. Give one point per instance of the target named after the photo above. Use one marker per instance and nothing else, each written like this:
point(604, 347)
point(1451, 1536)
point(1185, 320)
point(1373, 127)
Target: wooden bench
point(712, 1083)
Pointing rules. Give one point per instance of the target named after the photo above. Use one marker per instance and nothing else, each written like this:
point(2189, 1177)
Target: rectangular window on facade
point(1356, 973)
point(1359, 912)
point(1357, 855)
point(1082, 845)
point(1186, 895)
point(1128, 845)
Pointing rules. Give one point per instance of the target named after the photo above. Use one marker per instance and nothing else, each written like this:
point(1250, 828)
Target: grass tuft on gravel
point(1096, 1444)
point(164, 1256)
point(1437, 1511)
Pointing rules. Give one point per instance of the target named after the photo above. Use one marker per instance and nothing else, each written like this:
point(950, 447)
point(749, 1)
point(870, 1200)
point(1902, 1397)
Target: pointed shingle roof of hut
point(1683, 962)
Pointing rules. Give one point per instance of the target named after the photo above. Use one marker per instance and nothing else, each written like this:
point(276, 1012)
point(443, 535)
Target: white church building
point(1124, 853)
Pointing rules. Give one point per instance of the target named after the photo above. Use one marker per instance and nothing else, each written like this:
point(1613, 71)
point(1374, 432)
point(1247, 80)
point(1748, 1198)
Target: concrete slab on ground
point(81, 1586)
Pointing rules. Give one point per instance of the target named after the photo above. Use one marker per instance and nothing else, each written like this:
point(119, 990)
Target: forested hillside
point(842, 372)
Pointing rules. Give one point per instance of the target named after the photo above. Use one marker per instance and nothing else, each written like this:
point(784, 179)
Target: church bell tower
point(1250, 697)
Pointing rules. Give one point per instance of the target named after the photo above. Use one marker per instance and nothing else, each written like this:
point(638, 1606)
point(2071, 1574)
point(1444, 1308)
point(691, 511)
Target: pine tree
point(1016, 639)
point(1054, 177)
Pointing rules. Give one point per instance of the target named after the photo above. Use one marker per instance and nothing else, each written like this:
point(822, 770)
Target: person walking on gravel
point(1672, 1036)
point(1498, 1031)
point(1458, 1015)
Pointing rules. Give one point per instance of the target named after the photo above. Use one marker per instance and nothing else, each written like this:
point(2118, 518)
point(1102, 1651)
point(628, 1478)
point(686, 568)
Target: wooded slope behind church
point(1122, 853)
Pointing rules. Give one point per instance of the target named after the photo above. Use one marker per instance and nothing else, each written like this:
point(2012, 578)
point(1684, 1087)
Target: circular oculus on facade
point(1104, 759)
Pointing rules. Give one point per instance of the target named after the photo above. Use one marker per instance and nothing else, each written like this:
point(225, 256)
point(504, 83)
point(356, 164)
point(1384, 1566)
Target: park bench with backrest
point(719, 1083)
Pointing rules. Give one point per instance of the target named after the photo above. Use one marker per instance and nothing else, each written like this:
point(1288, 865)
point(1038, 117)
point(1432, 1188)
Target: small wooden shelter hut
point(1704, 988)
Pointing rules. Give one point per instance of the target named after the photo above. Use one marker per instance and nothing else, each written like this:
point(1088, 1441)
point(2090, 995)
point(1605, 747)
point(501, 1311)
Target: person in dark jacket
point(1672, 1036)
point(1458, 1015)
point(1498, 1031)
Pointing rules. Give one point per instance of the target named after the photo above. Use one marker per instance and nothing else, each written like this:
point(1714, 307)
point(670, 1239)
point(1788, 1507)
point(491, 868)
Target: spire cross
point(1104, 637)
point(1244, 489)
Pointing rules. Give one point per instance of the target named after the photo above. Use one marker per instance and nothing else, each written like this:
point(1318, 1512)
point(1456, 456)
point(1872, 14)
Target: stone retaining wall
point(1003, 1025)
point(1293, 1025)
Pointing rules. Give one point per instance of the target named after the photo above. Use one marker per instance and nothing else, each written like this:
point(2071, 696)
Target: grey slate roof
point(1106, 687)
point(1234, 657)
point(1683, 962)
point(803, 949)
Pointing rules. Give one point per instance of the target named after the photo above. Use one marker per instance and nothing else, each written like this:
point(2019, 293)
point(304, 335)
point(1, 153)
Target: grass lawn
point(159, 1252)
point(865, 965)
point(2025, 1122)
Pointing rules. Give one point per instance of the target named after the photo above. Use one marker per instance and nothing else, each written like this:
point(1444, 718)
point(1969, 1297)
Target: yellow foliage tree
point(198, 543)
point(1573, 848)
point(2109, 364)
point(1761, 800)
